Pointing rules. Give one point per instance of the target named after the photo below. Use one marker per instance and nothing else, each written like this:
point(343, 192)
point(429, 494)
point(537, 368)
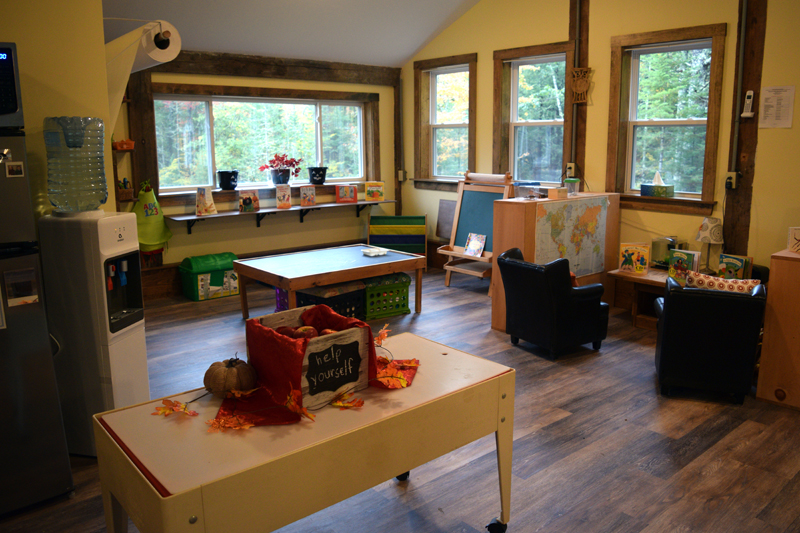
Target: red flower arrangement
point(283, 161)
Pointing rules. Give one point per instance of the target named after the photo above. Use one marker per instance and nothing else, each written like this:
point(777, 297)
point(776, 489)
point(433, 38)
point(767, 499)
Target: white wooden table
point(265, 472)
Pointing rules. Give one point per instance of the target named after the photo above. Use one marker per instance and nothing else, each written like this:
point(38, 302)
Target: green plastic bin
point(387, 295)
point(206, 277)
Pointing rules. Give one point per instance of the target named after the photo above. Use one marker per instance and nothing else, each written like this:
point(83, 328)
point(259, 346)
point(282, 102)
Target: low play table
point(171, 475)
point(314, 268)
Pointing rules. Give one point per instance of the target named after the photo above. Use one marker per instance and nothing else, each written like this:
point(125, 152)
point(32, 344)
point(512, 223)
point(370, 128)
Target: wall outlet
point(731, 180)
point(570, 170)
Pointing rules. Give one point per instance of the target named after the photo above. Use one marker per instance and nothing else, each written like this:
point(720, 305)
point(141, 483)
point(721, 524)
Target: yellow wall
point(490, 25)
point(776, 191)
point(62, 68)
point(499, 24)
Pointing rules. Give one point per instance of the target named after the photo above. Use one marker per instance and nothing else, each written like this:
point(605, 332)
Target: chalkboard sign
point(333, 367)
point(476, 215)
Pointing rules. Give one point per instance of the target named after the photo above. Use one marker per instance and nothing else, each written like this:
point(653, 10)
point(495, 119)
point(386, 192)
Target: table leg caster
point(404, 476)
point(496, 526)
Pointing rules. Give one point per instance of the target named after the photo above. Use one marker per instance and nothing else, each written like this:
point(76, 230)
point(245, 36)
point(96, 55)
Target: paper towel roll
point(154, 48)
point(137, 50)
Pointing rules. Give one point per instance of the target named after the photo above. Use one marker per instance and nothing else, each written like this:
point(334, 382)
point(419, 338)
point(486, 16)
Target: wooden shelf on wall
point(191, 219)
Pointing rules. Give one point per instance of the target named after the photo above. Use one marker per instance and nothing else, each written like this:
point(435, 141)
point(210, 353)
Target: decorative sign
point(332, 368)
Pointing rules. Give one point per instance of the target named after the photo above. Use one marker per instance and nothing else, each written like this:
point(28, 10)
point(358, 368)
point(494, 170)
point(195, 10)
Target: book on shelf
point(475, 244)
point(634, 257)
point(283, 196)
point(681, 262)
point(248, 201)
point(346, 194)
point(373, 191)
point(204, 202)
point(735, 266)
point(308, 195)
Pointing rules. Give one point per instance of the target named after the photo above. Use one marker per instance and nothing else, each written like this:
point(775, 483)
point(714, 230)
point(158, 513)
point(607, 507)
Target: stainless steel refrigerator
point(34, 462)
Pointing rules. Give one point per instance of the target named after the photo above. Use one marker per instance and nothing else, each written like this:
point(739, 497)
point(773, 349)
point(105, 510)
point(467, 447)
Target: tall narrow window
point(667, 116)
point(664, 116)
point(537, 118)
point(444, 117)
point(450, 121)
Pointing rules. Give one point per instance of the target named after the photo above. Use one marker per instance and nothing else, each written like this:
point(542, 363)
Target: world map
point(574, 229)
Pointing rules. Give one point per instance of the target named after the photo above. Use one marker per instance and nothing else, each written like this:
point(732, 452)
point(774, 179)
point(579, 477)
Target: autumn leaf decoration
point(344, 402)
point(173, 407)
point(233, 393)
point(382, 334)
point(229, 422)
point(394, 374)
point(293, 404)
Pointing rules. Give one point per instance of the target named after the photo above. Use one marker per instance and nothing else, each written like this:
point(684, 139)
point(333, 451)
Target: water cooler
point(95, 311)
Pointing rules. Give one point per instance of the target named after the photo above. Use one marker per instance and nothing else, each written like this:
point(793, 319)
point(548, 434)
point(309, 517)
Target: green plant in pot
point(282, 168)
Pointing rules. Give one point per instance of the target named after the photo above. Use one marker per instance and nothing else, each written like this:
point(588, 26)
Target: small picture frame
point(15, 169)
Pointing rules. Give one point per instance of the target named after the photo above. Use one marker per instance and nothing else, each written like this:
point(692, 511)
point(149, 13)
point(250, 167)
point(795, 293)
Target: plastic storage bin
point(387, 295)
point(347, 299)
point(205, 277)
point(526, 189)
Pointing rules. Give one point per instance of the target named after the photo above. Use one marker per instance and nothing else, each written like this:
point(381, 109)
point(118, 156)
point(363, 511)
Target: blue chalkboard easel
point(474, 214)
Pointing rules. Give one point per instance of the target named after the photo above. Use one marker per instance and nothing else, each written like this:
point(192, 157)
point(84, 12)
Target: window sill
point(683, 206)
point(167, 199)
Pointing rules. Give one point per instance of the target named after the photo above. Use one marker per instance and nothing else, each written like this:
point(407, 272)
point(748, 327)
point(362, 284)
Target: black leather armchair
point(708, 339)
point(542, 306)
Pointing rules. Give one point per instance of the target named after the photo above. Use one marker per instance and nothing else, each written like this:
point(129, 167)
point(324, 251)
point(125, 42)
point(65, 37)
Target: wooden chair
point(474, 214)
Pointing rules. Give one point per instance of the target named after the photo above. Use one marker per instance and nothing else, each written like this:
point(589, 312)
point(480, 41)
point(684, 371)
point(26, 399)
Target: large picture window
point(664, 114)
point(537, 118)
point(195, 135)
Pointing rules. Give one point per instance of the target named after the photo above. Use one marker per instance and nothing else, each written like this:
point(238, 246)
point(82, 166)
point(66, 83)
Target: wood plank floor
point(596, 449)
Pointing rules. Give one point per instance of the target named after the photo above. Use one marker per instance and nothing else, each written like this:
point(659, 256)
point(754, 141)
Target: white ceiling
point(369, 32)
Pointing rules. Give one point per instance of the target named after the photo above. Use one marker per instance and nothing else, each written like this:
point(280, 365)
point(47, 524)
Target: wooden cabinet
point(779, 373)
point(514, 226)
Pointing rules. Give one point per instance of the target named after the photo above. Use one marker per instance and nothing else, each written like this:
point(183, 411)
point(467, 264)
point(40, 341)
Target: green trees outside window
point(247, 133)
point(538, 118)
point(668, 115)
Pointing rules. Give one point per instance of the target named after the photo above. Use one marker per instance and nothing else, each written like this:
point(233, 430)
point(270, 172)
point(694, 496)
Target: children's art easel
point(474, 214)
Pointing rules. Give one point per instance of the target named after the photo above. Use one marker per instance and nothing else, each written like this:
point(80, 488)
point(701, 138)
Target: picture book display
point(248, 201)
point(283, 196)
point(682, 262)
point(475, 244)
point(634, 258)
point(204, 202)
point(346, 194)
point(373, 191)
point(735, 266)
point(308, 196)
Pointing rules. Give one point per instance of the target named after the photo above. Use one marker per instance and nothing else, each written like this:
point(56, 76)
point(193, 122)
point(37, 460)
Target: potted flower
point(282, 168)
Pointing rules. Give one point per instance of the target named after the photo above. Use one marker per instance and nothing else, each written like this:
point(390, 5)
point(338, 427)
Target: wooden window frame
point(619, 100)
point(141, 115)
point(423, 151)
point(501, 127)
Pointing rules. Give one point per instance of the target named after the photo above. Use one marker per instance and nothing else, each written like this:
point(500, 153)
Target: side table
point(637, 292)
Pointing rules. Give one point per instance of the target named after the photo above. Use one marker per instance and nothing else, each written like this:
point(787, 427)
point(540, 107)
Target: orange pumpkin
point(230, 374)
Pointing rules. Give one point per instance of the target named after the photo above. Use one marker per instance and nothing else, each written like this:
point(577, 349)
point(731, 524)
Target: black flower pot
point(227, 179)
point(280, 175)
point(316, 175)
